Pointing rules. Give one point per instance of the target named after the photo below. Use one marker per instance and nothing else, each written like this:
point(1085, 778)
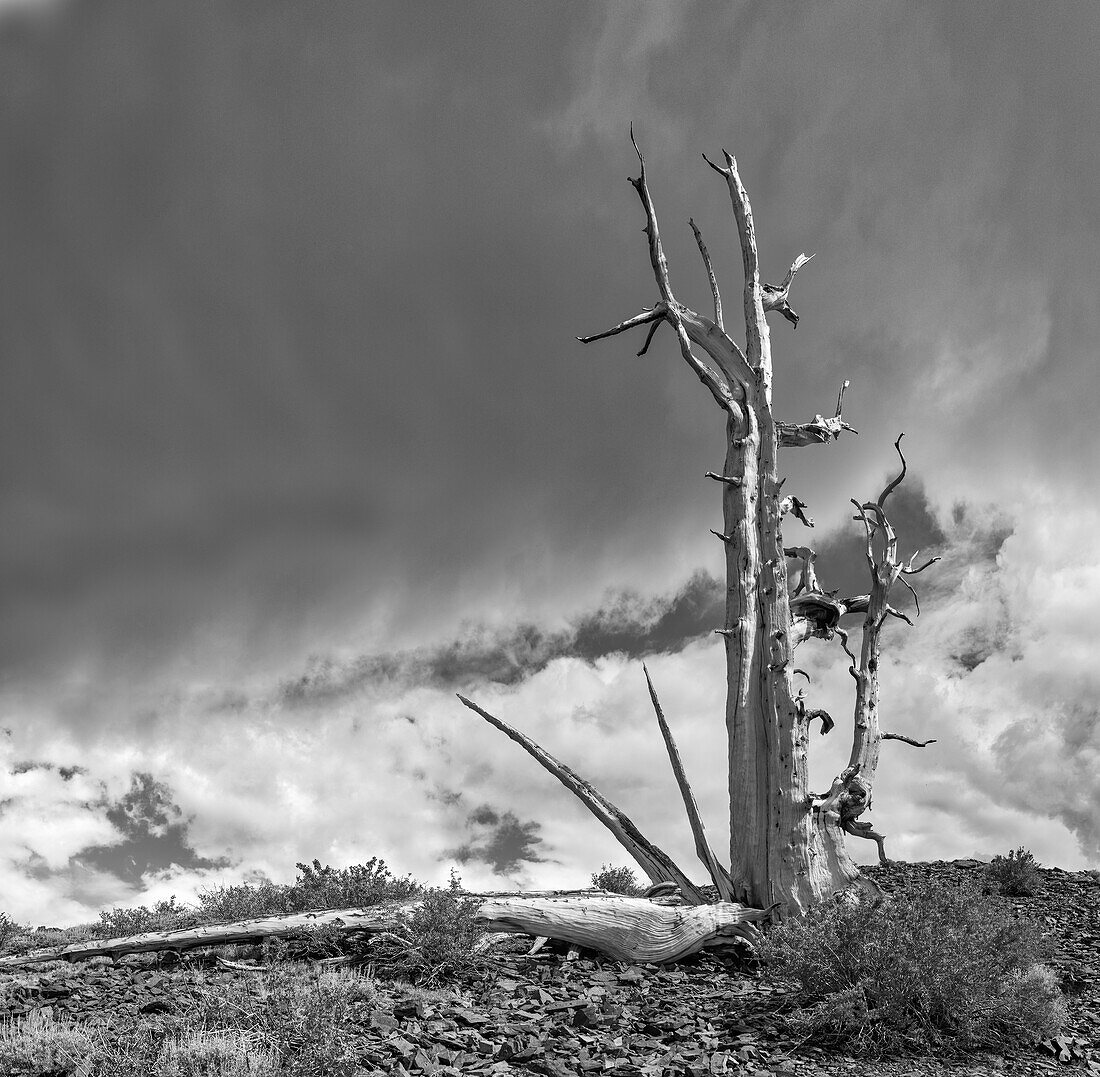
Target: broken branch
point(775, 295)
point(730, 480)
point(830, 802)
point(627, 929)
point(819, 430)
point(657, 314)
point(908, 740)
point(796, 508)
point(893, 485)
point(710, 274)
point(827, 722)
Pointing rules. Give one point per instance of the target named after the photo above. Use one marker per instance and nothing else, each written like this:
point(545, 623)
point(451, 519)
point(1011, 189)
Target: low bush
point(167, 915)
point(316, 887)
point(617, 880)
point(9, 929)
point(245, 901)
point(1017, 875)
point(306, 1020)
point(41, 1044)
point(216, 1054)
point(434, 941)
point(938, 968)
point(361, 884)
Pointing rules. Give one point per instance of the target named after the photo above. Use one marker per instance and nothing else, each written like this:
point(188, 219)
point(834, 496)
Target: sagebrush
point(285, 1023)
point(939, 968)
point(1016, 875)
point(617, 881)
point(433, 942)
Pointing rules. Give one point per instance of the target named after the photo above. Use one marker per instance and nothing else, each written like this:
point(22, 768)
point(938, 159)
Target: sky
point(297, 440)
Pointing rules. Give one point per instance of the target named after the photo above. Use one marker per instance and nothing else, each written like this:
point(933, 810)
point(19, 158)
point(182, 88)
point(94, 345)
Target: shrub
point(361, 884)
point(216, 1054)
point(307, 1020)
point(245, 901)
point(937, 968)
point(41, 1044)
point(617, 880)
point(8, 930)
point(1017, 875)
point(316, 887)
point(433, 942)
point(163, 916)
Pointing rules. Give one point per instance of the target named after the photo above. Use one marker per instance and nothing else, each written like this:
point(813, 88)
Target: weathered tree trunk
point(782, 849)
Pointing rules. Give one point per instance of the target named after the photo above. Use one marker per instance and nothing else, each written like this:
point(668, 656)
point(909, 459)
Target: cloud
point(153, 836)
point(499, 840)
point(626, 623)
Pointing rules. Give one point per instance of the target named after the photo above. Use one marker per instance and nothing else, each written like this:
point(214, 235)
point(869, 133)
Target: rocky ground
point(544, 1014)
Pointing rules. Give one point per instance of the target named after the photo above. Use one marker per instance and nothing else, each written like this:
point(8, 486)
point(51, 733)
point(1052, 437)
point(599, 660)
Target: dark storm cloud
point(287, 300)
point(500, 840)
point(152, 835)
point(238, 317)
point(627, 624)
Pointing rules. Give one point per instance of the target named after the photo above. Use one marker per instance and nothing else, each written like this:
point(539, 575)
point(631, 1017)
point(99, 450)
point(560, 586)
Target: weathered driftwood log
point(627, 929)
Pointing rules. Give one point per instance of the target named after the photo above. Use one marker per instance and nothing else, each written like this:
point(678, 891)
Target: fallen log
point(369, 919)
point(624, 928)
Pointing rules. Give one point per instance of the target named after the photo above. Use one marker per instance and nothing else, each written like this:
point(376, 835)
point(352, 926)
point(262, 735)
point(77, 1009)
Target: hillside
point(532, 1013)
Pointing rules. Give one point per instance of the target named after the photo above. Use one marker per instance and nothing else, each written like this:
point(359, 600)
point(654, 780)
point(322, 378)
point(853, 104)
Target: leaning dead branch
point(718, 874)
point(655, 862)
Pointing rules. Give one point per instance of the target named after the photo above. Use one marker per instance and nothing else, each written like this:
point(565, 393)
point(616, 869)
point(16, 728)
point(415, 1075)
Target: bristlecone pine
point(787, 843)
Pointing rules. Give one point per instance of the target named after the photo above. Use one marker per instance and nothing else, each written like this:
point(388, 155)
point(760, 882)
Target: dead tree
point(787, 844)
